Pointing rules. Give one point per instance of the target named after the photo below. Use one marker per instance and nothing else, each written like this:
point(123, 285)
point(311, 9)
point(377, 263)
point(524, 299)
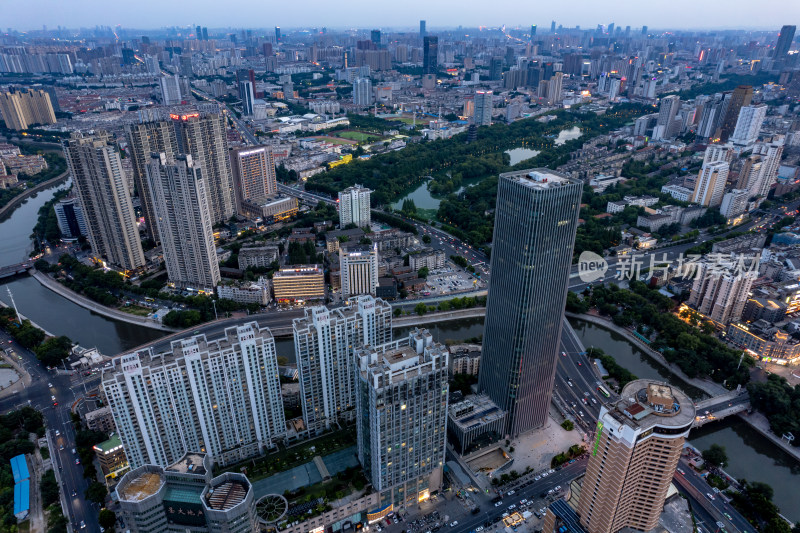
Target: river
point(751, 456)
point(55, 313)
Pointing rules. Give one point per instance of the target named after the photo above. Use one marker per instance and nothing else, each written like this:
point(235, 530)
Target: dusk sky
point(679, 14)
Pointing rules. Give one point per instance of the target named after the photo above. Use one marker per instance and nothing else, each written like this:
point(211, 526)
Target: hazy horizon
point(766, 15)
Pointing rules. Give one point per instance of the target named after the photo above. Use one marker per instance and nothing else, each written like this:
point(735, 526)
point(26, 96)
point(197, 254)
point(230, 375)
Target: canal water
point(55, 313)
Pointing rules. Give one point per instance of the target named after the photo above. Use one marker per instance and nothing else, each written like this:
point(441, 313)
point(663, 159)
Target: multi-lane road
point(66, 390)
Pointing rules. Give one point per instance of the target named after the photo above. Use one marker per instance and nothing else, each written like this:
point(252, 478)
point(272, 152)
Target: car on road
point(58, 433)
point(537, 478)
point(61, 447)
point(50, 385)
point(727, 516)
point(710, 496)
point(498, 504)
point(558, 488)
point(74, 493)
point(454, 523)
point(83, 524)
point(77, 461)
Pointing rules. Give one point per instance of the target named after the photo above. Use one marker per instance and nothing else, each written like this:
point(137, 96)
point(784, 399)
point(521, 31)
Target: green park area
point(333, 140)
point(359, 136)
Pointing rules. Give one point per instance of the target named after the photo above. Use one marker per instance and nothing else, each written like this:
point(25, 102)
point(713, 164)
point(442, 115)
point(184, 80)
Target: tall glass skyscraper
point(534, 233)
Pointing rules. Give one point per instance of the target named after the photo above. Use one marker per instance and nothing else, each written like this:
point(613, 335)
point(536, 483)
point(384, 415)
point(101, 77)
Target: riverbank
point(709, 387)
point(760, 423)
point(30, 192)
point(95, 307)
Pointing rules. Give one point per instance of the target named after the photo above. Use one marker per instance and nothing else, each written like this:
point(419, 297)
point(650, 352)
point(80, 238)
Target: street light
point(214, 303)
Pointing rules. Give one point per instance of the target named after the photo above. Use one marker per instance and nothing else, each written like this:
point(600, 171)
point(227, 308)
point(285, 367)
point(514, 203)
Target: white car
point(537, 478)
point(454, 524)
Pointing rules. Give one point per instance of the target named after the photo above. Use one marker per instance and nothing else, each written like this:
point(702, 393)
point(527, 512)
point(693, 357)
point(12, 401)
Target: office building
point(401, 406)
point(179, 195)
point(422, 31)
point(664, 128)
point(633, 457)
point(536, 217)
point(184, 497)
point(69, 215)
point(247, 95)
point(22, 109)
point(354, 206)
point(721, 288)
point(430, 54)
point(204, 137)
point(102, 189)
point(253, 174)
point(111, 456)
point(710, 185)
point(362, 92)
point(483, 108)
point(784, 43)
point(299, 284)
point(219, 395)
point(475, 422)
point(170, 90)
point(359, 270)
point(748, 125)
point(324, 341)
point(739, 98)
point(375, 38)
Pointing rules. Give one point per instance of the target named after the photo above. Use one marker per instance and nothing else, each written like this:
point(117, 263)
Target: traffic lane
point(702, 516)
point(717, 503)
point(561, 477)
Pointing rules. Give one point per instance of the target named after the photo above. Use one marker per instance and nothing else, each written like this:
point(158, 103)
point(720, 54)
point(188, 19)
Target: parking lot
point(450, 280)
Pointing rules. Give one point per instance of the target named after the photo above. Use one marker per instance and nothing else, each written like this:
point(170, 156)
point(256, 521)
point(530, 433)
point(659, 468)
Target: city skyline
point(771, 14)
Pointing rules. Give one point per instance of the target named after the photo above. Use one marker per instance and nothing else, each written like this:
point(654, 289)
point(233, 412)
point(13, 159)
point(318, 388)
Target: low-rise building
point(256, 292)
point(465, 359)
point(111, 456)
point(299, 283)
point(257, 256)
point(270, 210)
point(682, 194)
point(475, 422)
point(100, 420)
point(765, 342)
point(426, 257)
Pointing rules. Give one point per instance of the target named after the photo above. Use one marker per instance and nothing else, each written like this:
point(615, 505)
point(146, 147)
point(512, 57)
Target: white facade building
point(359, 270)
point(323, 342)
point(170, 90)
point(362, 92)
point(720, 290)
point(748, 125)
point(734, 203)
point(221, 396)
point(678, 192)
point(257, 292)
point(401, 402)
point(354, 206)
point(710, 185)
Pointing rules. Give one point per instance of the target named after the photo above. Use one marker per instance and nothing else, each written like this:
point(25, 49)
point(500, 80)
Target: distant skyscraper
point(633, 457)
point(401, 408)
point(324, 341)
point(247, 94)
point(422, 31)
point(180, 202)
point(495, 68)
point(554, 89)
point(644, 30)
point(102, 188)
point(362, 92)
point(205, 33)
point(277, 34)
point(666, 116)
point(358, 270)
point(741, 97)
point(483, 108)
point(354, 206)
point(553, 27)
point(749, 124)
point(170, 90)
point(22, 109)
point(710, 185)
point(375, 37)
point(253, 174)
point(533, 30)
point(534, 233)
point(204, 137)
point(430, 54)
point(167, 404)
point(784, 43)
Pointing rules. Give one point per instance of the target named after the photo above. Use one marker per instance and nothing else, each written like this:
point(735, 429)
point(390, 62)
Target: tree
point(568, 425)
point(421, 309)
point(423, 272)
point(96, 492)
point(107, 519)
point(715, 455)
point(426, 239)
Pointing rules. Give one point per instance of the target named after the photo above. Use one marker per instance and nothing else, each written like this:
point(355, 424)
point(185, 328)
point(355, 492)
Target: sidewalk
point(709, 387)
point(760, 423)
point(86, 303)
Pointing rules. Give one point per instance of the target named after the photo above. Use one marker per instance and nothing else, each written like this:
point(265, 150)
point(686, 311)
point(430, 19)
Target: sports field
point(359, 136)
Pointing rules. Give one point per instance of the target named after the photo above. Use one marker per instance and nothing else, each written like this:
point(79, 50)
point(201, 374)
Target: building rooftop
point(474, 411)
point(190, 463)
point(142, 486)
point(566, 514)
point(112, 444)
point(227, 495)
point(644, 403)
point(540, 178)
point(298, 270)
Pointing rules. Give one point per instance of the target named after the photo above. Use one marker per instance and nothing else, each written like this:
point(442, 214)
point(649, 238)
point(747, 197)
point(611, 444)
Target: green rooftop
point(109, 445)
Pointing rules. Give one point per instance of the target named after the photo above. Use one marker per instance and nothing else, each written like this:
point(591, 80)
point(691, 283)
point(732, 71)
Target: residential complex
point(22, 109)
point(69, 215)
point(401, 408)
point(253, 174)
point(535, 222)
point(106, 203)
point(721, 286)
point(359, 270)
point(167, 404)
point(633, 457)
point(179, 196)
point(323, 342)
